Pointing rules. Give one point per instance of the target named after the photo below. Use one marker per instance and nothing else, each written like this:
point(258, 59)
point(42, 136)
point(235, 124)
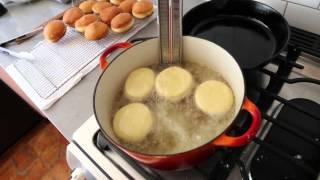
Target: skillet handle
point(103, 58)
point(229, 141)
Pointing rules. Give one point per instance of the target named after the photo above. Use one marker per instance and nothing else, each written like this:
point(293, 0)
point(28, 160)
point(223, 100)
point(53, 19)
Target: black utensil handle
point(106, 145)
point(135, 165)
point(3, 9)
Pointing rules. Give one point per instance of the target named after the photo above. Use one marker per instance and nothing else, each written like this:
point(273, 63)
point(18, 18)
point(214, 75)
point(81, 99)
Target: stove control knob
point(78, 174)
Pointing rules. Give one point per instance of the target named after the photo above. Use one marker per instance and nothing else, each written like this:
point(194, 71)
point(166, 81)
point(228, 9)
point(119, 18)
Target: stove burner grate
point(284, 154)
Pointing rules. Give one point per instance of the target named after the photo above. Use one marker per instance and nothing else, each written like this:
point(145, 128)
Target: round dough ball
point(126, 5)
point(86, 6)
point(214, 97)
point(106, 15)
point(142, 9)
point(122, 22)
point(99, 6)
point(84, 21)
point(54, 30)
point(96, 30)
point(139, 84)
point(174, 83)
point(133, 122)
point(72, 15)
point(116, 2)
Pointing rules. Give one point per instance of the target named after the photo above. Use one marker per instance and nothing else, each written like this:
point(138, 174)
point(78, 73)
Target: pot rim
point(108, 138)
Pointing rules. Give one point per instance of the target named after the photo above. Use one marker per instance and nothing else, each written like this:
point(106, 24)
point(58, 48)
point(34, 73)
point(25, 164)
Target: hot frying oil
point(179, 126)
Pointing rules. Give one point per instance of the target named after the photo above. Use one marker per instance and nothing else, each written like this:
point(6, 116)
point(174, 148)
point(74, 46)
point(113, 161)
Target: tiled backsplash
point(303, 14)
point(310, 3)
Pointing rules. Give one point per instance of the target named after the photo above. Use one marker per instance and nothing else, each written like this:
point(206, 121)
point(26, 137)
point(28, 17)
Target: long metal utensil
point(170, 31)
point(23, 37)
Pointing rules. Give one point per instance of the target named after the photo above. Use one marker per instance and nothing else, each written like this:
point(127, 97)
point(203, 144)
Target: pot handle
point(229, 141)
point(103, 58)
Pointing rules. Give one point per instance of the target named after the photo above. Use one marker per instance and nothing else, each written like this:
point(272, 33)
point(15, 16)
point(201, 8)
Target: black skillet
point(252, 32)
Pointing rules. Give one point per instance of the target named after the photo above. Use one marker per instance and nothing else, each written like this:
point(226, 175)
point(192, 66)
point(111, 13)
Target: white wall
point(303, 14)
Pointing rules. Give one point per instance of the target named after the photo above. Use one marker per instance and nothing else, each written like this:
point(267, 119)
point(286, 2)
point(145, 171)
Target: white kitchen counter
point(75, 107)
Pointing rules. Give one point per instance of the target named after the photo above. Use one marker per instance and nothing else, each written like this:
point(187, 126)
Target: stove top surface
point(300, 155)
point(287, 145)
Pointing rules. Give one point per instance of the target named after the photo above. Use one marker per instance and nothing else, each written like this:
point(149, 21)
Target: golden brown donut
point(122, 22)
point(86, 6)
point(116, 2)
point(84, 21)
point(99, 6)
point(106, 15)
point(142, 9)
point(72, 15)
point(126, 5)
point(96, 30)
point(54, 30)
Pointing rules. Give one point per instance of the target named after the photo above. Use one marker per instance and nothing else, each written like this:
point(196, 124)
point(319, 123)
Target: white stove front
point(82, 153)
point(86, 160)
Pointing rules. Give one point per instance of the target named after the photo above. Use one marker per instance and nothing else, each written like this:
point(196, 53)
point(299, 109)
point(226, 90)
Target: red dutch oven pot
point(147, 53)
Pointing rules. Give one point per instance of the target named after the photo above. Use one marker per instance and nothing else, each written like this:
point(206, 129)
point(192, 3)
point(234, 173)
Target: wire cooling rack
point(57, 63)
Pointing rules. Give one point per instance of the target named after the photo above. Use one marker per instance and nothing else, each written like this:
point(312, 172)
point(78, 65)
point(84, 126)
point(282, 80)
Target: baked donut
point(54, 30)
point(116, 2)
point(96, 30)
point(106, 15)
point(133, 122)
point(142, 9)
point(213, 97)
point(99, 6)
point(174, 83)
point(86, 6)
point(126, 5)
point(122, 22)
point(84, 21)
point(139, 84)
point(72, 15)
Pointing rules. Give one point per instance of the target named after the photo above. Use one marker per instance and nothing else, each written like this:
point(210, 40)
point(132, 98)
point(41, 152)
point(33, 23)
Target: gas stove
point(287, 91)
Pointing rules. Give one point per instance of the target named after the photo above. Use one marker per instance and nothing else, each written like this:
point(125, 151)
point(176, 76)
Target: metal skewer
point(170, 31)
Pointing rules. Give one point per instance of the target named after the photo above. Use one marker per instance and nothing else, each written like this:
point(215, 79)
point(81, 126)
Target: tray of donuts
point(95, 19)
